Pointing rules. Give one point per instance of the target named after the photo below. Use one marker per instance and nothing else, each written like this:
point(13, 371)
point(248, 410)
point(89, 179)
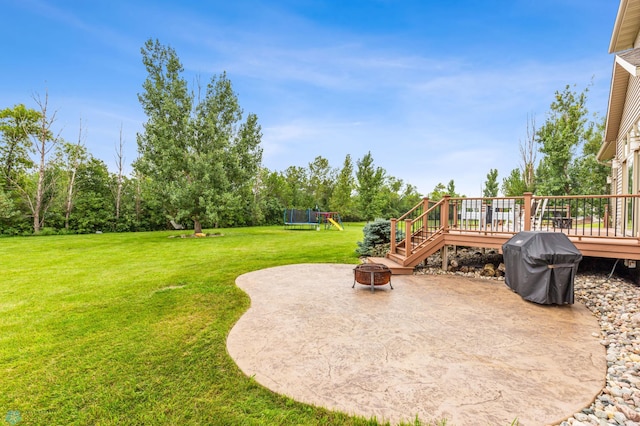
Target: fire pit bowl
point(372, 274)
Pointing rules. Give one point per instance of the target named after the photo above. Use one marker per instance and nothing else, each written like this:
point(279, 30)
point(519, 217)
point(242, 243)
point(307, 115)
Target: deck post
point(527, 211)
point(425, 221)
point(444, 214)
point(445, 257)
point(392, 249)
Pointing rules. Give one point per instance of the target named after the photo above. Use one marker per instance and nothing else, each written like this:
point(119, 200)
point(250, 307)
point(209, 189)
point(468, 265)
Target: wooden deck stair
point(396, 268)
point(400, 264)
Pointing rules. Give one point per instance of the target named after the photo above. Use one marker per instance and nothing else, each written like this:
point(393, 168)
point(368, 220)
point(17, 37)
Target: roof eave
point(626, 26)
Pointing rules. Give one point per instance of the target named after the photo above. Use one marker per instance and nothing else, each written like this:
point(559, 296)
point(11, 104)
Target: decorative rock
point(620, 418)
point(581, 417)
point(489, 270)
point(629, 412)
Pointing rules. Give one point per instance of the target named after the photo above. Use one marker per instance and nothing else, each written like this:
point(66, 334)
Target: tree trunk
point(42, 147)
point(69, 203)
point(197, 226)
point(39, 196)
point(120, 158)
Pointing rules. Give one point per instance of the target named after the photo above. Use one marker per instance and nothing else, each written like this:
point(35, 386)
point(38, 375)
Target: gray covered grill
point(541, 266)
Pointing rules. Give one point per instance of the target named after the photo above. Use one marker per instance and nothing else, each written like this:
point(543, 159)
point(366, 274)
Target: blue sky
point(436, 90)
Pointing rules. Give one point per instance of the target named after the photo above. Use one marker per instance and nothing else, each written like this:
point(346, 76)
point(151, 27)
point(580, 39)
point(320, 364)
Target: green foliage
point(564, 129)
point(17, 126)
point(491, 184)
point(589, 175)
point(296, 184)
point(321, 182)
point(201, 159)
point(376, 233)
point(93, 209)
point(342, 195)
point(9, 213)
point(440, 191)
point(514, 185)
point(397, 197)
point(369, 182)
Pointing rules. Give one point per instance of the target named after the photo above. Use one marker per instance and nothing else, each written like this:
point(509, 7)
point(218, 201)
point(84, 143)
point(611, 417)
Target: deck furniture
point(471, 211)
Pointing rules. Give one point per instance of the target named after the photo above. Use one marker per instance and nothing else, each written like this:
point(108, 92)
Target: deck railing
point(598, 216)
point(414, 227)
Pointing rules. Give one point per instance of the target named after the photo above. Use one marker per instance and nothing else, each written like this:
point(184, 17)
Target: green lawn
point(131, 328)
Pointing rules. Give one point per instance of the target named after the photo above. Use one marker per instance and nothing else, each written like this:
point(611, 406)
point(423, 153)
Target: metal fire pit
point(372, 274)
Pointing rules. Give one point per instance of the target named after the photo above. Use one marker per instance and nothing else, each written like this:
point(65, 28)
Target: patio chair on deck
point(504, 214)
point(471, 210)
point(538, 214)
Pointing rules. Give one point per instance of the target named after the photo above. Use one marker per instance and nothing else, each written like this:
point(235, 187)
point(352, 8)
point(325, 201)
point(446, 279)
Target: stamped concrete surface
point(467, 350)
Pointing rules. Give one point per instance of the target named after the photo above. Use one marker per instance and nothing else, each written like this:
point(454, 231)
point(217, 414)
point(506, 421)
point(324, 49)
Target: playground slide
point(334, 223)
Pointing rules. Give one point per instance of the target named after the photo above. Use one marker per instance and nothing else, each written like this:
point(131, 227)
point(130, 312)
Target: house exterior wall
point(631, 112)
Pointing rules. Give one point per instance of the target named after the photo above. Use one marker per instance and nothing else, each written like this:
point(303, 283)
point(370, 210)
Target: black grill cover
point(541, 266)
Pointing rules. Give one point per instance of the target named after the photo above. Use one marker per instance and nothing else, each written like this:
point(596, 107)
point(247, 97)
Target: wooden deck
point(599, 226)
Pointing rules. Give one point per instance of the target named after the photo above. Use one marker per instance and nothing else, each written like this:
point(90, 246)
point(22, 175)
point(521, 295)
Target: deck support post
point(445, 257)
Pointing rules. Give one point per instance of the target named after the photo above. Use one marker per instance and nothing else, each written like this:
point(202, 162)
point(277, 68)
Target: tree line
point(200, 164)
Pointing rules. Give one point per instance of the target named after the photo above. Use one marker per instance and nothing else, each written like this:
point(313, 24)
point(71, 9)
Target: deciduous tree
point(199, 158)
point(341, 198)
point(514, 185)
point(369, 182)
point(70, 158)
point(562, 132)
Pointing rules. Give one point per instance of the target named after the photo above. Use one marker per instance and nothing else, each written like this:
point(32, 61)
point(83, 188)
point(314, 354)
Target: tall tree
point(528, 154)
point(341, 198)
point(198, 158)
point(297, 181)
point(70, 158)
point(273, 193)
point(45, 142)
point(36, 187)
point(369, 182)
point(491, 184)
point(93, 209)
point(321, 181)
point(119, 174)
point(562, 132)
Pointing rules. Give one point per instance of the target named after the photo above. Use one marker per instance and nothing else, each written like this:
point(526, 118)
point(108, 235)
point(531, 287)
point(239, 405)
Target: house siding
point(631, 111)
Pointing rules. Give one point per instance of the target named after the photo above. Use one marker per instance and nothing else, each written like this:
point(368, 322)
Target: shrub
point(376, 233)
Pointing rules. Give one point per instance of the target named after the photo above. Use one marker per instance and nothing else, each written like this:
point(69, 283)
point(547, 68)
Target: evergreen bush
point(376, 233)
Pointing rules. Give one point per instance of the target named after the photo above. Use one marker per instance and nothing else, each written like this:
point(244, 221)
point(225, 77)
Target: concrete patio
point(467, 350)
